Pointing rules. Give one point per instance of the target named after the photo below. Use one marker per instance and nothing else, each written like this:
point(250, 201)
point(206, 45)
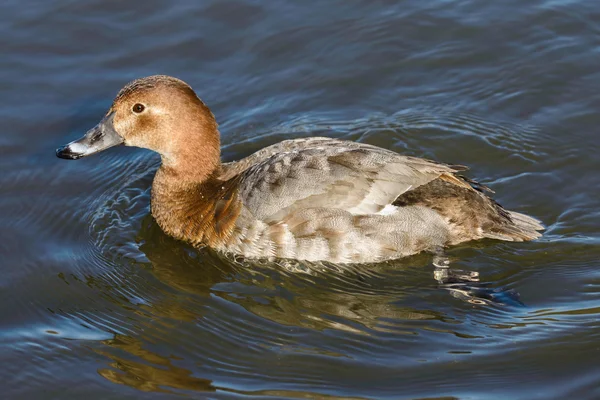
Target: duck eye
point(138, 108)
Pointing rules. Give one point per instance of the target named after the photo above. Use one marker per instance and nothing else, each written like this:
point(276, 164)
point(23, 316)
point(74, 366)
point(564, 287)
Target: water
point(97, 303)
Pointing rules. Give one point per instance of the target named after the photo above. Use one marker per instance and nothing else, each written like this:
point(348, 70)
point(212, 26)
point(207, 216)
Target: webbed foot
point(465, 285)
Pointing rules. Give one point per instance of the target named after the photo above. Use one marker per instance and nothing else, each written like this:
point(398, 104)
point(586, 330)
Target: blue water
point(97, 302)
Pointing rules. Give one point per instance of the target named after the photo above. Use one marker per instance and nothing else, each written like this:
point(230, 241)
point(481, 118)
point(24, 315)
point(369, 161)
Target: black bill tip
point(66, 153)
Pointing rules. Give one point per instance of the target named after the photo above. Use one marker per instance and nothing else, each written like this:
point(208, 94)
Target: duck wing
point(325, 173)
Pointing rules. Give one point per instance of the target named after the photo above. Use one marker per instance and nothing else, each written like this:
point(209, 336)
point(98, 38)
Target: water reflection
point(134, 366)
point(152, 373)
point(201, 289)
point(321, 297)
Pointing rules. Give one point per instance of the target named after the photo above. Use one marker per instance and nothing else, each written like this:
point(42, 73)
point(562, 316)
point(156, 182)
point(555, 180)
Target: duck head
point(159, 113)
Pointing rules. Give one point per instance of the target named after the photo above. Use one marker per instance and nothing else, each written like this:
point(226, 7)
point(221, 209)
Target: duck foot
point(449, 276)
point(465, 285)
point(480, 294)
point(446, 275)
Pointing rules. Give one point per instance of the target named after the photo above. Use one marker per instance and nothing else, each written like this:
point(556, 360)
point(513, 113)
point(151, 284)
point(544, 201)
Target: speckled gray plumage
point(327, 199)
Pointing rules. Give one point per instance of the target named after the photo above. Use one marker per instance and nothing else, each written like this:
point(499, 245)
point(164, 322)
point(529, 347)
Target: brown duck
point(308, 199)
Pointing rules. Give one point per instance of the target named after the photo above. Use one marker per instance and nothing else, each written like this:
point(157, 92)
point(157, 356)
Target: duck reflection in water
point(315, 300)
point(359, 301)
point(322, 297)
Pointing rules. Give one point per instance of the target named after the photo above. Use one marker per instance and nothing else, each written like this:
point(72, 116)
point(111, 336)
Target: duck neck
point(190, 202)
point(193, 161)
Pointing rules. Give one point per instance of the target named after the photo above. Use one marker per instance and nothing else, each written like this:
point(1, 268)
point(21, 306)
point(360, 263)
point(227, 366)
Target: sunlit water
point(98, 303)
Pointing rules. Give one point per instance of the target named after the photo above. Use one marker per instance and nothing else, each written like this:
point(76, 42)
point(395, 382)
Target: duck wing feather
point(330, 174)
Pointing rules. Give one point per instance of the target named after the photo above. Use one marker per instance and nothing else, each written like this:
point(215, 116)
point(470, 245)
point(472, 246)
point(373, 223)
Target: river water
point(98, 303)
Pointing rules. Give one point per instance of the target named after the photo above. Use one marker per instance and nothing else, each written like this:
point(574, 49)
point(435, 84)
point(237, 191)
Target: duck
point(312, 199)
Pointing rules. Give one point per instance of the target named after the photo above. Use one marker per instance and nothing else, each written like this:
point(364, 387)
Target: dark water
point(97, 303)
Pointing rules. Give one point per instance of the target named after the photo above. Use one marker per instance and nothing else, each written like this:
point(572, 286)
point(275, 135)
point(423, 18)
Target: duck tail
point(523, 228)
point(529, 226)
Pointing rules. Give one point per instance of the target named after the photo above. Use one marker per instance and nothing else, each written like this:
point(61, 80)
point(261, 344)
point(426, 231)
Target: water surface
point(98, 303)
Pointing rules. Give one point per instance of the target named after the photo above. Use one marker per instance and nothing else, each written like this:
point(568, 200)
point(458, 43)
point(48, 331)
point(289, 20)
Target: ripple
point(99, 302)
point(173, 313)
point(274, 309)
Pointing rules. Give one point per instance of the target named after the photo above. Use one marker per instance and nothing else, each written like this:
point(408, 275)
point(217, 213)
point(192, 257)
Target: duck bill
point(100, 137)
